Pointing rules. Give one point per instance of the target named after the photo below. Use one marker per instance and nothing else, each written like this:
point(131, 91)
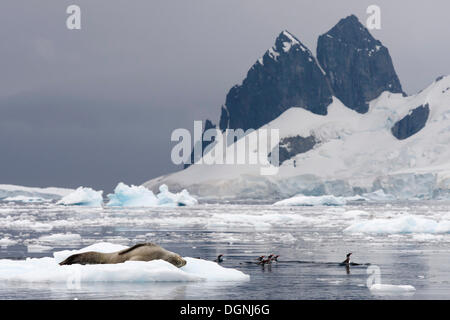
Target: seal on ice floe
point(139, 252)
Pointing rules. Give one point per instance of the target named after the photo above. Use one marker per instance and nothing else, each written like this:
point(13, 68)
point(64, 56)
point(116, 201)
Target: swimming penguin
point(347, 260)
point(266, 261)
point(219, 258)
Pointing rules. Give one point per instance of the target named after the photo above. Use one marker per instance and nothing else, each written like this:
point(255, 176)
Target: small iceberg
point(140, 196)
point(302, 200)
point(48, 270)
point(406, 224)
point(83, 197)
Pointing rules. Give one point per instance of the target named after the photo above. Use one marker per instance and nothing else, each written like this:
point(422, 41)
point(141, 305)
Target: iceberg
point(183, 198)
point(48, 270)
point(406, 224)
point(140, 196)
point(83, 197)
point(302, 200)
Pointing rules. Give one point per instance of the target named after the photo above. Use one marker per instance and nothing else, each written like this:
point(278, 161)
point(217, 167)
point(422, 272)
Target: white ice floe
point(5, 242)
point(140, 196)
point(388, 289)
point(83, 197)
point(405, 224)
point(48, 270)
point(301, 200)
point(61, 238)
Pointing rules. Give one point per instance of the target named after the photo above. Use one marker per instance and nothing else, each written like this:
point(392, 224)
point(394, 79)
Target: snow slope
point(356, 153)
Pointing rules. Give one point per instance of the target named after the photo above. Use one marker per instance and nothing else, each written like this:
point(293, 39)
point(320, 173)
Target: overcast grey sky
point(96, 106)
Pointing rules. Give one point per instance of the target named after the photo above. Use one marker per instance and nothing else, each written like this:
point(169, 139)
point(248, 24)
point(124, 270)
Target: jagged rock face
point(412, 123)
point(291, 146)
point(358, 67)
point(286, 76)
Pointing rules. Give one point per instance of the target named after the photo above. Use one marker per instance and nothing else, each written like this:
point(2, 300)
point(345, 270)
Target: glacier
point(356, 154)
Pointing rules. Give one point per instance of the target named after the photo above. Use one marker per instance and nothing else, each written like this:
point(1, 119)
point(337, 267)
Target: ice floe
point(48, 270)
point(302, 200)
point(390, 289)
point(83, 197)
point(5, 242)
point(404, 224)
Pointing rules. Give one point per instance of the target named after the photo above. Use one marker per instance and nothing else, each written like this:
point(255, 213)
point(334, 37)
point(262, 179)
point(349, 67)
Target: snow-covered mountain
point(379, 139)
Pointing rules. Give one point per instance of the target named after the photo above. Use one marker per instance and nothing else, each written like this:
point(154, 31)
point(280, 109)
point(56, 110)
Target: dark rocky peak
point(351, 32)
point(358, 67)
point(286, 76)
point(412, 123)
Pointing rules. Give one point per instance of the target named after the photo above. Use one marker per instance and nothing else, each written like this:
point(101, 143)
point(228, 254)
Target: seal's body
point(139, 252)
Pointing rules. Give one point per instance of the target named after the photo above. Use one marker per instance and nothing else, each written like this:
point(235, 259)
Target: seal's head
point(177, 260)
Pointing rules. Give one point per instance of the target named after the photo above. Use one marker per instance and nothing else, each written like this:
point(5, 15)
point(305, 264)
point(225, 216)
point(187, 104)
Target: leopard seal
point(138, 252)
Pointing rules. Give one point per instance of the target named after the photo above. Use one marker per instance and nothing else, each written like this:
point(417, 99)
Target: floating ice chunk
point(406, 224)
point(182, 198)
point(389, 289)
point(37, 248)
point(61, 238)
point(301, 200)
point(211, 271)
point(48, 270)
point(83, 197)
point(5, 242)
point(140, 196)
